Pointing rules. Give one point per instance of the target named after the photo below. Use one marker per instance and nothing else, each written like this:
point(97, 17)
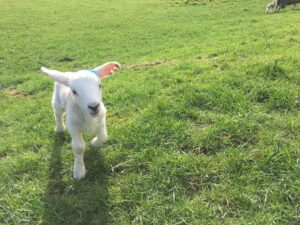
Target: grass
point(203, 118)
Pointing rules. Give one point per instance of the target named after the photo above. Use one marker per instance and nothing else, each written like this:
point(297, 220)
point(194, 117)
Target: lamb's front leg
point(78, 146)
point(101, 134)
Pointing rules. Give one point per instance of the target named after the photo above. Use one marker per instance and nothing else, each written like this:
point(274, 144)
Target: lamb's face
point(86, 89)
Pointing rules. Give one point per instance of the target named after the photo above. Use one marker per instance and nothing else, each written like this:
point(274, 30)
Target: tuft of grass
point(225, 132)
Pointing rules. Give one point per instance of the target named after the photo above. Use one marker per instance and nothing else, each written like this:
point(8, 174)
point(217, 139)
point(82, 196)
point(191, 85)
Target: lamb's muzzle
point(94, 108)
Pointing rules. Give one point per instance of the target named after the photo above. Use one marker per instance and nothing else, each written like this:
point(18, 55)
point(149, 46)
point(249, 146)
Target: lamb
point(282, 3)
point(79, 94)
point(270, 7)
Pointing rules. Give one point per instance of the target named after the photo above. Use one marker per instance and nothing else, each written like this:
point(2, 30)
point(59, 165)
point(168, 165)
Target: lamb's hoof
point(96, 142)
point(79, 174)
point(59, 130)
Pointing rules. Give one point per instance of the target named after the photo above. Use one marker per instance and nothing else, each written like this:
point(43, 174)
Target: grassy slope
point(211, 137)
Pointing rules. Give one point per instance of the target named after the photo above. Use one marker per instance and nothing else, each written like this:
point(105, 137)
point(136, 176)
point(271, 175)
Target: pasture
point(203, 118)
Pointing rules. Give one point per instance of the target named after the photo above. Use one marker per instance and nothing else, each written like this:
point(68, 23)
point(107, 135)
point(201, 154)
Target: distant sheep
point(270, 7)
point(280, 4)
point(79, 95)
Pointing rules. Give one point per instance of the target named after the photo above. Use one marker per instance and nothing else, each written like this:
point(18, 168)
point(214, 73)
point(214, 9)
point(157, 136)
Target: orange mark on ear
point(109, 69)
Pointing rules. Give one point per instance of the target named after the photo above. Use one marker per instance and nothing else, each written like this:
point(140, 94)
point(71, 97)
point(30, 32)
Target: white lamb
point(79, 95)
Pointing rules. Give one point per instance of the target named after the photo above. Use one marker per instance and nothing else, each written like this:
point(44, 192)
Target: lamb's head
point(85, 85)
point(86, 90)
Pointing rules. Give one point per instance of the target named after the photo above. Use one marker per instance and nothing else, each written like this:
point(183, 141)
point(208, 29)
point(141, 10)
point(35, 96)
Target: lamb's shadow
point(67, 201)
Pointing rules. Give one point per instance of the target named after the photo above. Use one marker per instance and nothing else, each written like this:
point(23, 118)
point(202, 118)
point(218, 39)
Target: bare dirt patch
point(197, 2)
point(15, 93)
point(208, 58)
point(149, 64)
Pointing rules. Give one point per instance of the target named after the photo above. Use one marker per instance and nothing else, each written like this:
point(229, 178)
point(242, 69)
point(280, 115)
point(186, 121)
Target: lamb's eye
point(74, 92)
point(100, 85)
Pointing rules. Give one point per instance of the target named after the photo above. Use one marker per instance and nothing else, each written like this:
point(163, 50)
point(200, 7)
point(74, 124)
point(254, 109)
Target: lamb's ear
point(56, 75)
point(106, 69)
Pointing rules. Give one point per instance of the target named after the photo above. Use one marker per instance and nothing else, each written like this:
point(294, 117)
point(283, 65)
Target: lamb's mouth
point(94, 114)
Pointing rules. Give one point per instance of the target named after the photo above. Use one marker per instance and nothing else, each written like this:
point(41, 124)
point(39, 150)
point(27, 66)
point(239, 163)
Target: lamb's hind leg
point(59, 120)
point(58, 110)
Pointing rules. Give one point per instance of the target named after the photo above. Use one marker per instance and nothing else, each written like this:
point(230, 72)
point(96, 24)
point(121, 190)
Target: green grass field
point(203, 118)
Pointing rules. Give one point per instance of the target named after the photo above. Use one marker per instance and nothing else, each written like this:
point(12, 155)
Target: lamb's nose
point(94, 106)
